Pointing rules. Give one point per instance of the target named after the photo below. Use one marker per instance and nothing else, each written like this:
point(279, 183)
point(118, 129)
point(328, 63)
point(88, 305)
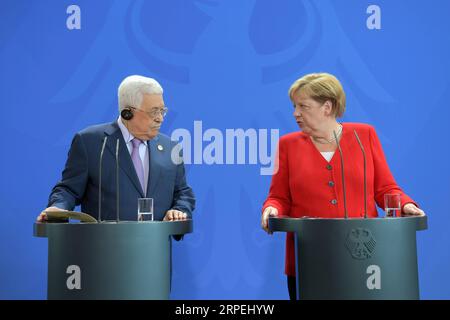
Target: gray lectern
point(125, 260)
point(355, 258)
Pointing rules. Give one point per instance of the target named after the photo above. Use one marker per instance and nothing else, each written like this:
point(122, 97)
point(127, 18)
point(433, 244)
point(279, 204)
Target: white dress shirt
point(143, 150)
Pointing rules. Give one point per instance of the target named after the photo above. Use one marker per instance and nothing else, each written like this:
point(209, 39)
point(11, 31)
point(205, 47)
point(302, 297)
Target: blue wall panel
point(224, 65)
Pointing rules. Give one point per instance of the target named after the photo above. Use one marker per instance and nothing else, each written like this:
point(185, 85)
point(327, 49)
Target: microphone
point(100, 180)
point(117, 181)
point(365, 180)
point(342, 171)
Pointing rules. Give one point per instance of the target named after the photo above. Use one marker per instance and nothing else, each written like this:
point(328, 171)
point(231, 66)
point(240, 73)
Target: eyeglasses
point(154, 112)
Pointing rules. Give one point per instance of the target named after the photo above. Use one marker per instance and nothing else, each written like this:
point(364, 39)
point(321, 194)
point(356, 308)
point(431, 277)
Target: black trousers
point(292, 287)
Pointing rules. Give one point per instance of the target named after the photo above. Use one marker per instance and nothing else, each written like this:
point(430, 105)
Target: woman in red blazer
point(307, 180)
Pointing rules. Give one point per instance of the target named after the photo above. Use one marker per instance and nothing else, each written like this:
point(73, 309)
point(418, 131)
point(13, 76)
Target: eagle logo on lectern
point(360, 243)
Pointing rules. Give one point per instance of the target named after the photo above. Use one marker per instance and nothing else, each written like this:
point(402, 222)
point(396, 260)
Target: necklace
point(338, 133)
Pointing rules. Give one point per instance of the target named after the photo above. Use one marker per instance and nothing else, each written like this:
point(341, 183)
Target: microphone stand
point(117, 181)
point(365, 181)
point(342, 171)
point(100, 181)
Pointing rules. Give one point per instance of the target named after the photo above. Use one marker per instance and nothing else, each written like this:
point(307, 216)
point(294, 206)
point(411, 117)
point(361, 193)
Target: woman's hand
point(410, 209)
point(268, 212)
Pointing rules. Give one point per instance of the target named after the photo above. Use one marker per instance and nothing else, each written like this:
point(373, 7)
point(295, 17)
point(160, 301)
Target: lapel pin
point(160, 147)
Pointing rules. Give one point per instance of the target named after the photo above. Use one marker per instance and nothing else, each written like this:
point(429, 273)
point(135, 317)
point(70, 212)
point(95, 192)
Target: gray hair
point(132, 89)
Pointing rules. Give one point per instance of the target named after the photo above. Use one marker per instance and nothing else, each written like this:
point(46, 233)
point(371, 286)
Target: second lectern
point(355, 258)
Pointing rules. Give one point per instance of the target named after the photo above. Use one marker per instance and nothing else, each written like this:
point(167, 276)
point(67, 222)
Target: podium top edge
point(40, 229)
point(290, 224)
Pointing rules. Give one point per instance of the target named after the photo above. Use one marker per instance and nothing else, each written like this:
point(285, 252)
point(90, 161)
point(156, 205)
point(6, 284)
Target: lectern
point(355, 258)
point(109, 260)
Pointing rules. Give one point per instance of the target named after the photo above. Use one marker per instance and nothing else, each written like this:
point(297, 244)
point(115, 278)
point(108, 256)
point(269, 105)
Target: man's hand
point(269, 211)
point(173, 215)
point(410, 209)
point(43, 216)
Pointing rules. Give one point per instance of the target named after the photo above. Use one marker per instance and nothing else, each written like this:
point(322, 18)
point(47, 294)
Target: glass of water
point(392, 204)
point(145, 209)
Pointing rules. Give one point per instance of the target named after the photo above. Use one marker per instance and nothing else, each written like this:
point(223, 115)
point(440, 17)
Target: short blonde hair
point(321, 87)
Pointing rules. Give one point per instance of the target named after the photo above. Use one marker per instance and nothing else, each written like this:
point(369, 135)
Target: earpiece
point(126, 114)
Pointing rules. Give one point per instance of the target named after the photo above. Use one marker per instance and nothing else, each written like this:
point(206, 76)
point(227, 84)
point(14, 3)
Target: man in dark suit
point(148, 167)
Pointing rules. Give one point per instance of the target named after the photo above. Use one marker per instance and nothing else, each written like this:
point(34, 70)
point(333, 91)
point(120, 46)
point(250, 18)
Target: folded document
point(63, 215)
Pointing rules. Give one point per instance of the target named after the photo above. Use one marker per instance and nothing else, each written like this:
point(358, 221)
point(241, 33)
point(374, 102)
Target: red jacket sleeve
point(279, 194)
point(384, 182)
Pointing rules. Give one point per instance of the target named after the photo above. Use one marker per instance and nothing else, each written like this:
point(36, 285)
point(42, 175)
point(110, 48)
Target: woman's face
point(310, 114)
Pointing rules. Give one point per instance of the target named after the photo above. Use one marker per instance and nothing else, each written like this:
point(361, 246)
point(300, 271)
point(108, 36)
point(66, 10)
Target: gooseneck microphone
point(342, 171)
point(365, 179)
point(100, 180)
point(117, 181)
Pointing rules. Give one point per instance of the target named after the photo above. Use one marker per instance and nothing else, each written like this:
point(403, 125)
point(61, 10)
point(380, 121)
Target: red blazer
point(308, 185)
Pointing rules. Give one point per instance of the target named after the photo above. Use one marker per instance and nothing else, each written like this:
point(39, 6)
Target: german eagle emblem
point(360, 243)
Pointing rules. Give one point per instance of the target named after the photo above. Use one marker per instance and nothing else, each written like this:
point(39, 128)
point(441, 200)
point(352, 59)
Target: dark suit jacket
point(80, 178)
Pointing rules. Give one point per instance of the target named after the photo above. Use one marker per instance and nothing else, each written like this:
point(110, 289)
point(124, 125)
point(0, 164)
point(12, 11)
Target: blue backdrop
point(223, 65)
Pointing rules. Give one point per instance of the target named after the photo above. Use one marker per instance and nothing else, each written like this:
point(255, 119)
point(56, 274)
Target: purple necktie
point(137, 161)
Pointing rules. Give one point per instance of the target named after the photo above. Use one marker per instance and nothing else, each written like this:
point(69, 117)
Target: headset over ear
point(126, 114)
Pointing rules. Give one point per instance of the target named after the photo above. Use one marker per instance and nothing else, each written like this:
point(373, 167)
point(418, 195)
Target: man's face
point(148, 117)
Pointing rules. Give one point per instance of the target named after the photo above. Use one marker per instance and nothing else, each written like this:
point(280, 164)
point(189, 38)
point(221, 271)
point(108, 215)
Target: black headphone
point(127, 114)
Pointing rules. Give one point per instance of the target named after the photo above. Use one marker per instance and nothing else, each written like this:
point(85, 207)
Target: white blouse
point(328, 155)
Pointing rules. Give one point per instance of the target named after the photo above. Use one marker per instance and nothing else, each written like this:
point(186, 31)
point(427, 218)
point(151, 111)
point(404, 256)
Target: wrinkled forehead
point(152, 101)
